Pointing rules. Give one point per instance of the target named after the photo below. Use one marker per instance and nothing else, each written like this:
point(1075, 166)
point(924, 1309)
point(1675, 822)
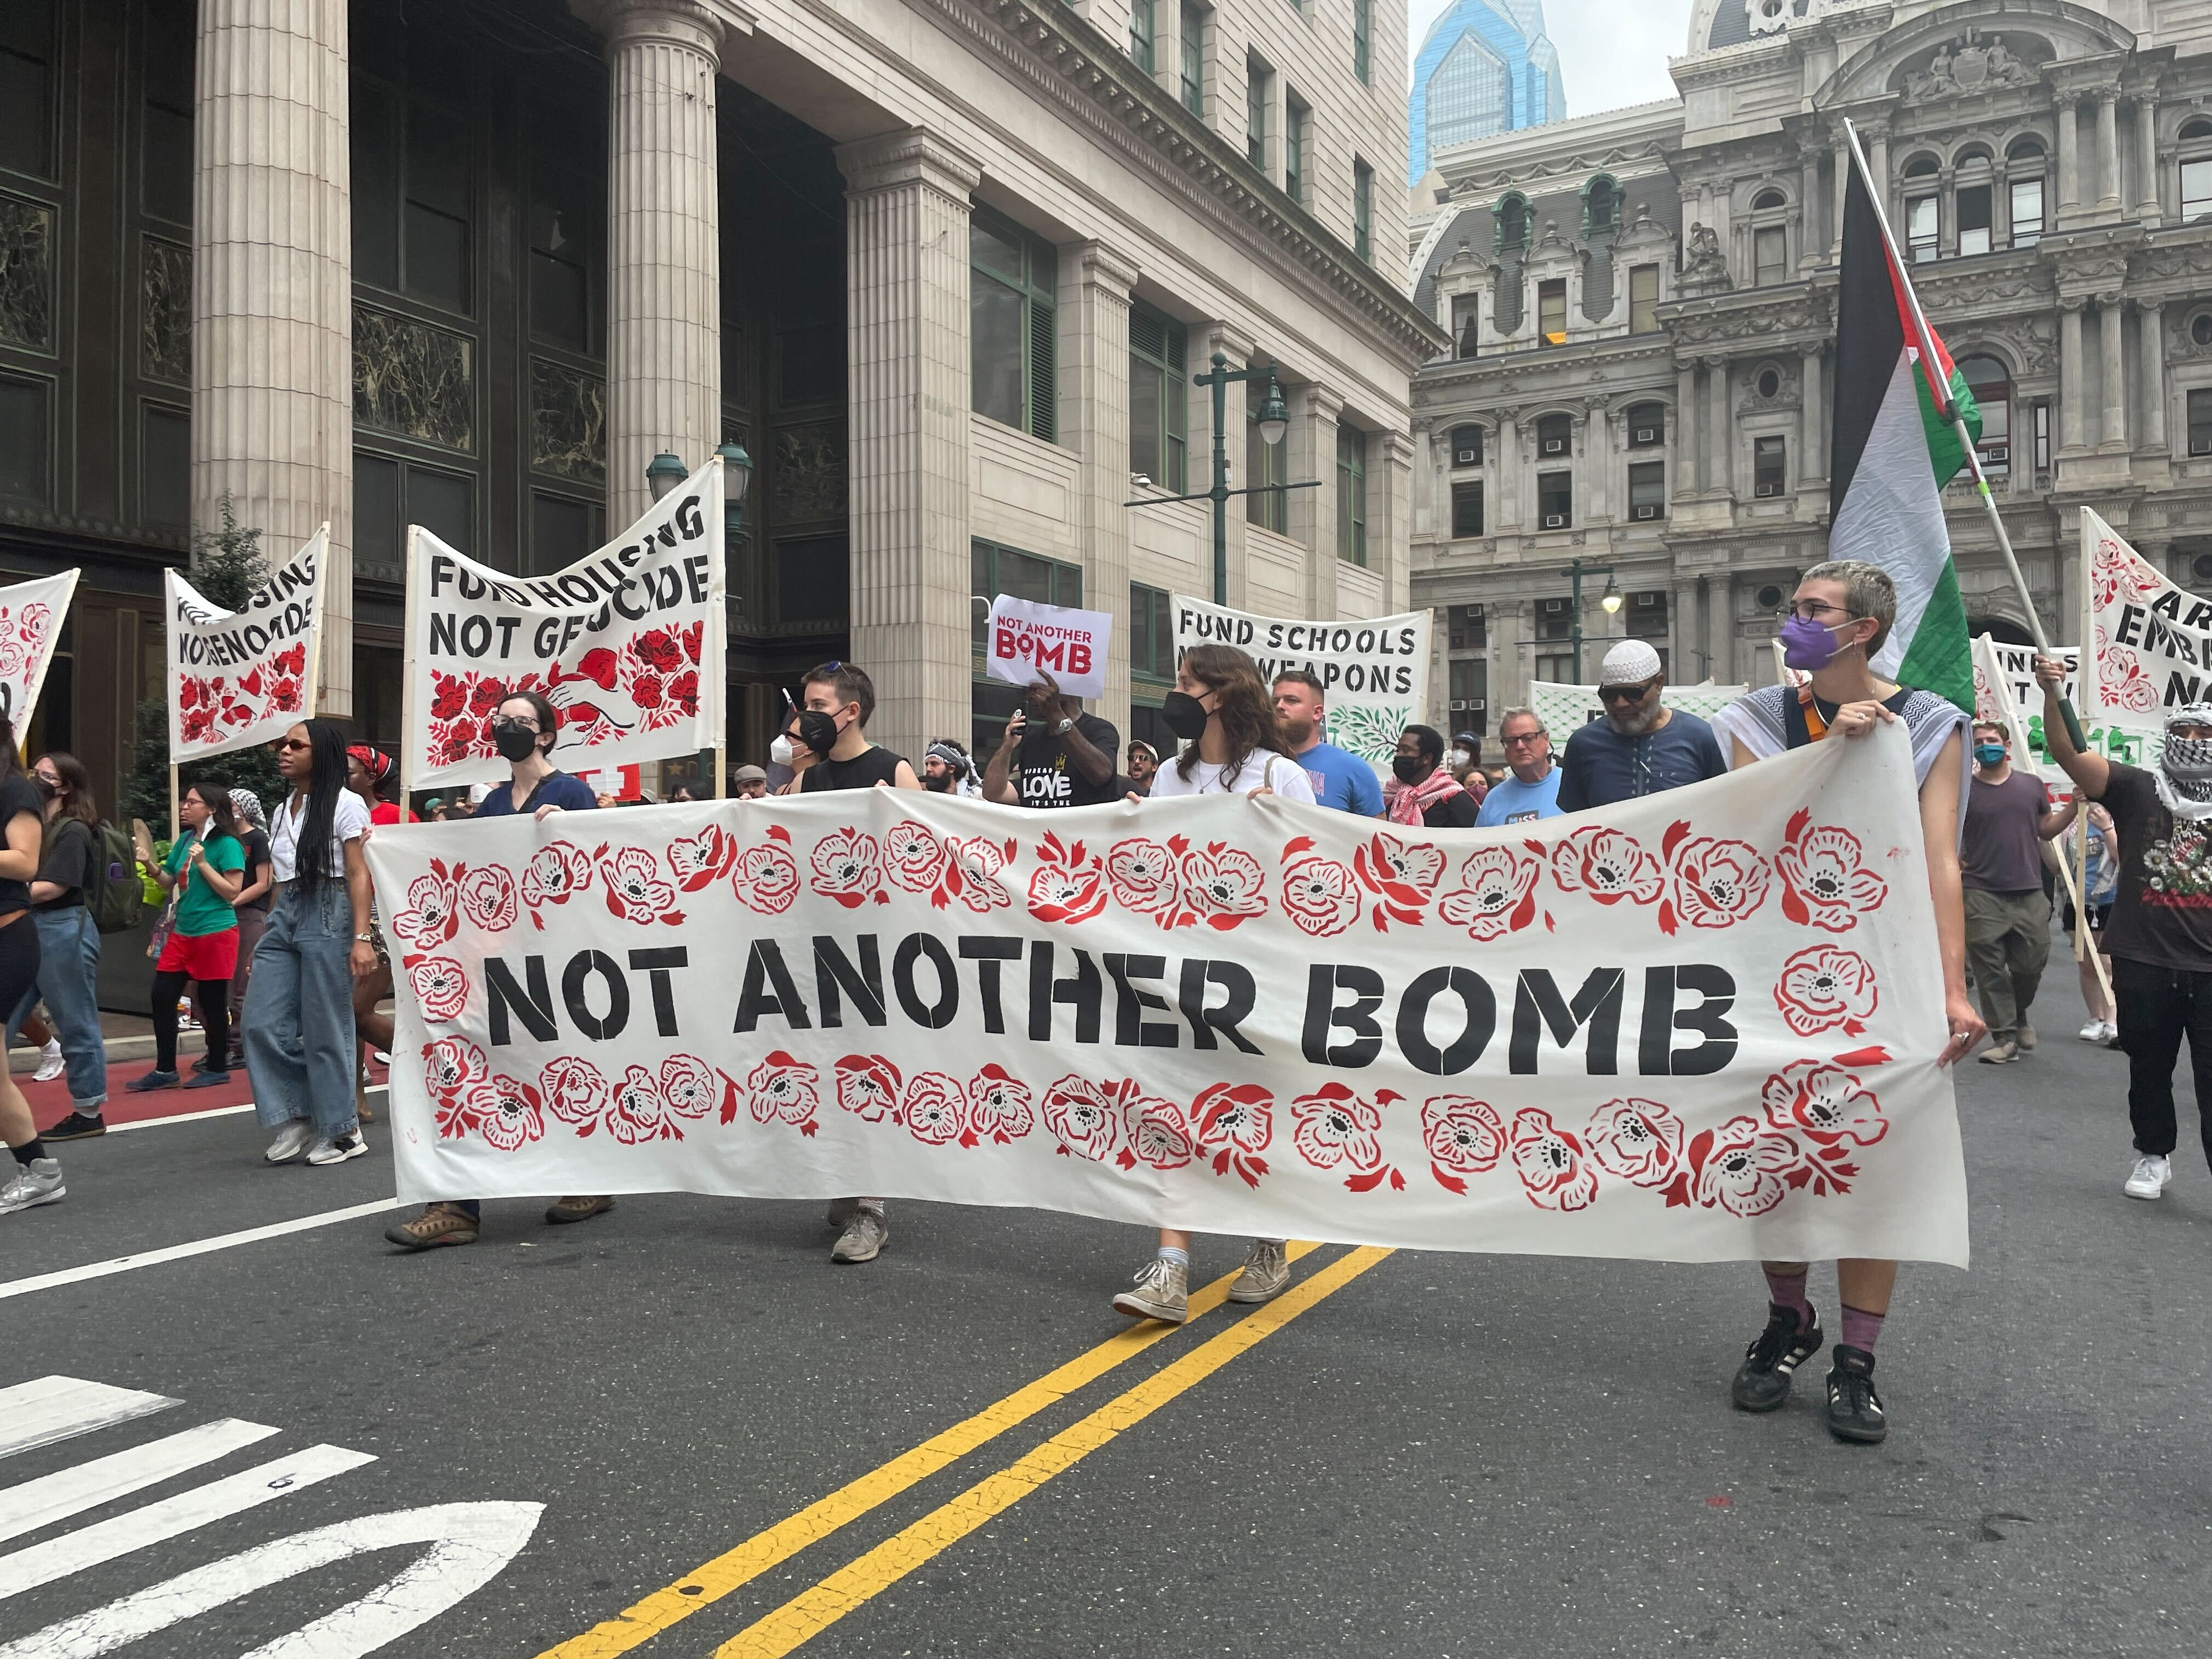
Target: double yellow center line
point(812, 1610)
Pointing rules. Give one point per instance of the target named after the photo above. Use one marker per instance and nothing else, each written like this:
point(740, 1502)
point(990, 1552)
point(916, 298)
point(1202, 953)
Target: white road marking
point(50, 1408)
point(470, 1544)
point(124, 1264)
point(40, 1502)
point(104, 1541)
point(212, 1111)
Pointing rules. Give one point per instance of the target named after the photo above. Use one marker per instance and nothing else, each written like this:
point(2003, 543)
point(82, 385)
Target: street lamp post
point(1275, 421)
point(1576, 571)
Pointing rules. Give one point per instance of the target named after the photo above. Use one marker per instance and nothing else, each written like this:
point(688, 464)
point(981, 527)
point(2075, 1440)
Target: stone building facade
point(944, 268)
point(1642, 308)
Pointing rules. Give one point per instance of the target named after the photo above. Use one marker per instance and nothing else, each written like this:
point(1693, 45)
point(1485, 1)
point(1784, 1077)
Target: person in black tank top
point(830, 738)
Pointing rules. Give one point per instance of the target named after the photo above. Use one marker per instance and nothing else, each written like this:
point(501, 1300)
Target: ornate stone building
point(1642, 310)
point(944, 268)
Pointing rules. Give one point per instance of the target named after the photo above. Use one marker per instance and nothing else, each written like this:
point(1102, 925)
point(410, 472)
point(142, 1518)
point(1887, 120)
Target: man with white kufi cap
point(1641, 747)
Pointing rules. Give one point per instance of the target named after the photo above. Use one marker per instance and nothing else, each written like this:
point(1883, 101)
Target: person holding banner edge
point(70, 870)
point(37, 1178)
point(1834, 623)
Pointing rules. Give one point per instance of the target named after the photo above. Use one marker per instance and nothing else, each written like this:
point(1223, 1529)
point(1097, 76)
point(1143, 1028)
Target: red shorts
point(206, 957)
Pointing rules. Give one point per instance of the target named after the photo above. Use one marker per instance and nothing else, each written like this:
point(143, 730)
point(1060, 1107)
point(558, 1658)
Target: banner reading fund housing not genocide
point(1374, 672)
point(1702, 1025)
point(246, 677)
point(628, 644)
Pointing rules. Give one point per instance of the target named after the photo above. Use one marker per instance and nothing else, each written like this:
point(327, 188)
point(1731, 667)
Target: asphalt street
point(745, 1448)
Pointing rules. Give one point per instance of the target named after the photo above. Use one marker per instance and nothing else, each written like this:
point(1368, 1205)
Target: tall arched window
point(1769, 238)
point(1974, 200)
point(1466, 446)
point(2026, 165)
point(1990, 382)
point(2195, 170)
point(1512, 223)
point(1601, 206)
point(1924, 210)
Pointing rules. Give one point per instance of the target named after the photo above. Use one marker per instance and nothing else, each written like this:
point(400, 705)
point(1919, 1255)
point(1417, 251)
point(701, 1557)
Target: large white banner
point(2005, 691)
point(1375, 672)
point(1698, 1026)
point(244, 676)
point(2150, 647)
point(1562, 708)
point(628, 644)
point(31, 617)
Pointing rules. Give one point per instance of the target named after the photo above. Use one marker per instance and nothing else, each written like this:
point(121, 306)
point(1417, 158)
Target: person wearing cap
point(1143, 762)
point(1641, 747)
point(749, 783)
point(1464, 762)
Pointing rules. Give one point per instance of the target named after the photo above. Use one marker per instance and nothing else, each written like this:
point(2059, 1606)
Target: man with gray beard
point(1641, 747)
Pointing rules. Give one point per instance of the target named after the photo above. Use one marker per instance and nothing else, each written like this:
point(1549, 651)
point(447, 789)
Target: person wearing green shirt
point(204, 872)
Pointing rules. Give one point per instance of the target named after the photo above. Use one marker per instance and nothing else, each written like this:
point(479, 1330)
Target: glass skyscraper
point(1485, 66)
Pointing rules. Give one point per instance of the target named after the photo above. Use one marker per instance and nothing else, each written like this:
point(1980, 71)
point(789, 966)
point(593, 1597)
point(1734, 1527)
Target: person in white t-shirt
point(299, 1005)
point(1232, 743)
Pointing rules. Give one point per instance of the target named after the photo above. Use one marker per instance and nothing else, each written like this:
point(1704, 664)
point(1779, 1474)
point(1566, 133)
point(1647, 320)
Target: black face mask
point(1409, 767)
point(46, 790)
point(1184, 713)
point(817, 731)
point(515, 743)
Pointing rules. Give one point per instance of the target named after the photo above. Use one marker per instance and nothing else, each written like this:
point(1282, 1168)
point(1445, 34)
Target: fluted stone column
point(2072, 378)
point(2150, 321)
point(1720, 478)
point(1685, 427)
point(1094, 423)
point(1843, 194)
point(2108, 150)
point(1389, 511)
point(1504, 513)
point(2146, 203)
point(1315, 410)
point(2115, 374)
point(2070, 154)
point(664, 242)
point(906, 252)
point(1811, 413)
point(1808, 207)
point(272, 292)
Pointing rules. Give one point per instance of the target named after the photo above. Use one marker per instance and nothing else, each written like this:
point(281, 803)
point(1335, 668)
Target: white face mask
point(1460, 757)
point(781, 750)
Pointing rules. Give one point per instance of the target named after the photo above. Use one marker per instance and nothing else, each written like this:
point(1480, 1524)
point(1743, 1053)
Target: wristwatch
point(1065, 726)
point(365, 939)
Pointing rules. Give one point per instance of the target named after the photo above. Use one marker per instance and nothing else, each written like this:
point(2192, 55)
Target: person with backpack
point(71, 872)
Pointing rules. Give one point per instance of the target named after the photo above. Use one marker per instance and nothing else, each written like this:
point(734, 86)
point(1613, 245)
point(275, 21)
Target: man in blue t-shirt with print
point(1341, 778)
point(1530, 787)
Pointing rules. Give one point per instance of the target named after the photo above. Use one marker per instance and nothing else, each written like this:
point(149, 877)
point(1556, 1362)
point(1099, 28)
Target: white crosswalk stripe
point(50, 1408)
point(52, 1497)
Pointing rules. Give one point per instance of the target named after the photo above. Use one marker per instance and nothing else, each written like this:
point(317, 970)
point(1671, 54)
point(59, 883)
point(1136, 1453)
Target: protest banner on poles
point(241, 677)
point(1700, 1025)
point(1025, 639)
point(1374, 673)
point(1563, 709)
point(2005, 691)
point(2150, 647)
point(31, 617)
point(628, 644)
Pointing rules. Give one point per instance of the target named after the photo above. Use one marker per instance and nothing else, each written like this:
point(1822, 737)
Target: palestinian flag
point(1894, 450)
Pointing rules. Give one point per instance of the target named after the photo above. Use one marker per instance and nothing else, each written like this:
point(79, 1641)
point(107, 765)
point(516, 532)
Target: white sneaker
point(294, 1138)
point(327, 1151)
point(2150, 1177)
point(49, 1062)
point(2092, 1032)
point(38, 1181)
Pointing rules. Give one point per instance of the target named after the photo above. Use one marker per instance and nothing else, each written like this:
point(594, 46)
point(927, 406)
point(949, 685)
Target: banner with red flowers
point(244, 677)
point(2149, 649)
point(1698, 1026)
point(628, 644)
point(31, 616)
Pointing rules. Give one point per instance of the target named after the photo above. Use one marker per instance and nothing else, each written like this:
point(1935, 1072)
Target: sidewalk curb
point(24, 1060)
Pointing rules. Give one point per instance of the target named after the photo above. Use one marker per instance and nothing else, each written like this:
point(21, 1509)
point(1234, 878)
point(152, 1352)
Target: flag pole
point(1949, 408)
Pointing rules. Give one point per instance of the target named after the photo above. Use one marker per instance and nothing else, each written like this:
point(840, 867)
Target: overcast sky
point(1612, 52)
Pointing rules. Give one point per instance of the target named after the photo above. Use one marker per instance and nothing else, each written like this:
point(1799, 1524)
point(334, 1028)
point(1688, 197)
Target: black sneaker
point(1762, 1381)
point(1855, 1410)
point(208, 1063)
point(77, 1126)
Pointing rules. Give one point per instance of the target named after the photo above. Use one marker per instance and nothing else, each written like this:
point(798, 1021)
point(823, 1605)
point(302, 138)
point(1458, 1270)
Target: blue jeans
point(69, 980)
point(299, 1014)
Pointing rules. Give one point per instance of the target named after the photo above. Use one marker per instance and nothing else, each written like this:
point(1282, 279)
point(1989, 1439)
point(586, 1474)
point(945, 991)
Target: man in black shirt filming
point(1066, 758)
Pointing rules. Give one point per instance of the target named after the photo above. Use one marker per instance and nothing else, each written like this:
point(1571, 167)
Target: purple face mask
point(1807, 645)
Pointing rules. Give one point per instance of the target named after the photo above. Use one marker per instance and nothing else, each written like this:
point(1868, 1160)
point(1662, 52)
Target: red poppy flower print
point(1496, 896)
point(1224, 885)
point(698, 862)
point(449, 695)
point(766, 877)
point(2123, 681)
point(781, 1088)
point(1464, 1136)
point(1825, 1104)
point(1332, 1129)
point(485, 696)
point(451, 1064)
point(913, 856)
point(1553, 1170)
point(999, 1106)
point(509, 1114)
point(1825, 881)
point(440, 986)
point(691, 642)
point(630, 879)
point(1638, 1141)
point(1717, 882)
point(1321, 895)
point(847, 869)
point(868, 1087)
point(487, 898)
point(689, 1087)
point(1143, 875)
point(433, 915)
point(1158, 1135)
point(555, 872)
point(1070, 885)
point(657, 648)
point(1235, 1123)
point(1085, 1117)
point(936, 1109)
point(1609, 865)
point(1744, 1169)
point(575, 1091)
point(1825, 987)
point(636, 1114)
point(975, 864)
point(1402, 875)
point(683, 693)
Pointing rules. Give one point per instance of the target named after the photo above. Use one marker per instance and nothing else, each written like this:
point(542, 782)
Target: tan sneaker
point(2025, 1038)
point(578, 1209)
point(1162, 1291)
point(439, 1224)
point(863, 1239)
point(1267, 1271)
point(2000, 1054)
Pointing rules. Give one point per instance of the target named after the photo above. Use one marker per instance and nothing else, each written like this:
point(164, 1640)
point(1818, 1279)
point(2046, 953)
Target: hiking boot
point(38, 1181)
point(1162, 1291)
point(578, 1208)
point(439, 1224)
point(1762, 1381)
point(863, 1239)
point(1267, 1271)
point(294, 1138)
point(1855, 1410)
point(77, 1126)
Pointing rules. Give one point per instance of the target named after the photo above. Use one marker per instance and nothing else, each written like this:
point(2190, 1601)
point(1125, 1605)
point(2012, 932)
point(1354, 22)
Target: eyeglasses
point(1625, 693)
point(514, 723)
point(1812, 610)
point(1527, 737)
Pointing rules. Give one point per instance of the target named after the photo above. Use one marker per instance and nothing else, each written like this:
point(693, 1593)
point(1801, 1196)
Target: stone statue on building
point(1968, 64)
point(1706, 269)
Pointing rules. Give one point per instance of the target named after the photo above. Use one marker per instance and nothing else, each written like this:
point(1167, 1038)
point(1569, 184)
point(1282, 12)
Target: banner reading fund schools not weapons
point(2005, 691)
point(244, 676)
point(31, 617)
point(1375, 672)
point(1702, 1025)
point(628, 644)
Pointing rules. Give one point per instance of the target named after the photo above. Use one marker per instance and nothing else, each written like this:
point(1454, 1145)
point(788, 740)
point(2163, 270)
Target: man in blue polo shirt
point(1641, 747)
point(1341, 778)
point(1530, 787)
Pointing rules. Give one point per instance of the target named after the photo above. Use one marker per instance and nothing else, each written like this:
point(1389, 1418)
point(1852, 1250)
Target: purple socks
point(1787, 1290)
point(1860, 1330)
